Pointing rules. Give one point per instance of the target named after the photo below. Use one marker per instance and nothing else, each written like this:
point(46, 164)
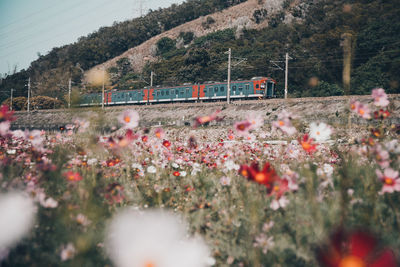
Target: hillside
point(238, 17)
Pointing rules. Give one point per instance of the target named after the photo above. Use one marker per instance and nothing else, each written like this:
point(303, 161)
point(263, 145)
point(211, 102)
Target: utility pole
point(29, 93)
point(69, 93)
point(11, 106)
point(151, 78)
point(346, 62)
point(286, 74)
point(102, 94)
point(228, 91)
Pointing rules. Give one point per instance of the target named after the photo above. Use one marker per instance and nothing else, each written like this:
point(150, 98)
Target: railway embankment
point(332, 110)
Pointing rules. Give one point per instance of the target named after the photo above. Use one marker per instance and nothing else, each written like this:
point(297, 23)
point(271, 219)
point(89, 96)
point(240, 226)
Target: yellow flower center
point(127, 119)
point(351, 261)
point(149, 264)
point(260, 177)
point(281, 123)
point(317, 133)
point(389, 181)
point(361, 111)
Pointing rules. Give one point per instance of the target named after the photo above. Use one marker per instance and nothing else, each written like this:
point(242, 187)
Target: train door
point(270, 89)
point(187, 93)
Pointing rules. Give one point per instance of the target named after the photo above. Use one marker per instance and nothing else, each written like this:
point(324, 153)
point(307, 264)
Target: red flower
point(5, 114)
point(72, 176)
point(267, 176)
point(205, 119)
point(112, 162)
point(355, 249)
point(144, 138)
point(381, 114)
point(307, 144)
point(166, 143)
point(176, 173)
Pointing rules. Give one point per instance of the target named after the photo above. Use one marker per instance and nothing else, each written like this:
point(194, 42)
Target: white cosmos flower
point(151, 169)
point(17, 216)
point(153, 238)
point(129, 119)
point(320, 132)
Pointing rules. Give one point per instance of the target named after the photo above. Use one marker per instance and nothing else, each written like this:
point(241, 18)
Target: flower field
point(252, 194)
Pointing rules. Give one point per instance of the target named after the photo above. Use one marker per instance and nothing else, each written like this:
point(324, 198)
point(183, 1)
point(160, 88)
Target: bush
point(18, 102)
point(44, 102)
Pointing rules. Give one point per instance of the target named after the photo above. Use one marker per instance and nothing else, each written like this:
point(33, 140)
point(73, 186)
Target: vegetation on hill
point(314, 45)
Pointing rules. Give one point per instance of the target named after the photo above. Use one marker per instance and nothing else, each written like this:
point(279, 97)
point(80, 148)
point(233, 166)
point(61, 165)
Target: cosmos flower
point(390, 179)
point(159, 133)
point(4, 128)
point(17, 217)
point(267, 176)
point(72, 176)
point(129, 119)
point(320, 132)
point(153, 238)
point(6, 114)
point(225, 181)
point(206, 119)
point(380, 97)
point(67, 252)
point(242, 128)
point(355, 249)
point(264, 242)
point(256, 120)
point(360, 109)
point(307, 144)
point(284, 123)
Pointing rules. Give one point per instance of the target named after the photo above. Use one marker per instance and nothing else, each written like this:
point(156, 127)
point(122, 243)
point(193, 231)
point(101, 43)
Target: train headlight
point(263, 86)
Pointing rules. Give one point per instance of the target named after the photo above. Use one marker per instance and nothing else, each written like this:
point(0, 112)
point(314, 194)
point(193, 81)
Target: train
point(254, 88)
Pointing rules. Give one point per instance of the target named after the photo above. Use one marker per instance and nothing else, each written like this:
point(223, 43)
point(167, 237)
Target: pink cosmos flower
point(361, 109)
point(284, 123)
point(205, 119)
point(129, 119)
point(4, 128)
point(256, 120)
point(242, 128)
point(390, 180)
point(380, 97)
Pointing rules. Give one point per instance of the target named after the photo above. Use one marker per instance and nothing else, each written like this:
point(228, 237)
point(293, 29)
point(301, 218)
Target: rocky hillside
point(239, 17)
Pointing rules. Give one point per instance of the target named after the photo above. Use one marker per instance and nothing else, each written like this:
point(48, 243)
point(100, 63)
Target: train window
point(240, 89)
point(172, 91)
point(234, 88)
point(205, 90)
point(162, 93)
point(167, 92)
point(222, 89)
point(257, 86)
point(158, 92)
point(187, 90)
point(182, 92)
point(215, 89)
point(152, 94)
point(247, 87)
point(130, 94)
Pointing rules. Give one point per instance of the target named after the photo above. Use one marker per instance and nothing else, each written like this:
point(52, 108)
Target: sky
point(29, 27)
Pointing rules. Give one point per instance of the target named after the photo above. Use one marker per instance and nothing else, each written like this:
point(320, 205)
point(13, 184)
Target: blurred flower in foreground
point(17, 216)
point(204, 119)
point(284, 123)
point(361, 109)
point(380, 97)
point(307, 144)
point(67, 252)
point(5, 114)
point(355, 249)
point(320, 132)
point(129, 119)
point(390, 180)
point(153, 238)
point(267, 176)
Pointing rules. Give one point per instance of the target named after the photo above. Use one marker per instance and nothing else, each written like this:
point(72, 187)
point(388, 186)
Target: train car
point(255, 88)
